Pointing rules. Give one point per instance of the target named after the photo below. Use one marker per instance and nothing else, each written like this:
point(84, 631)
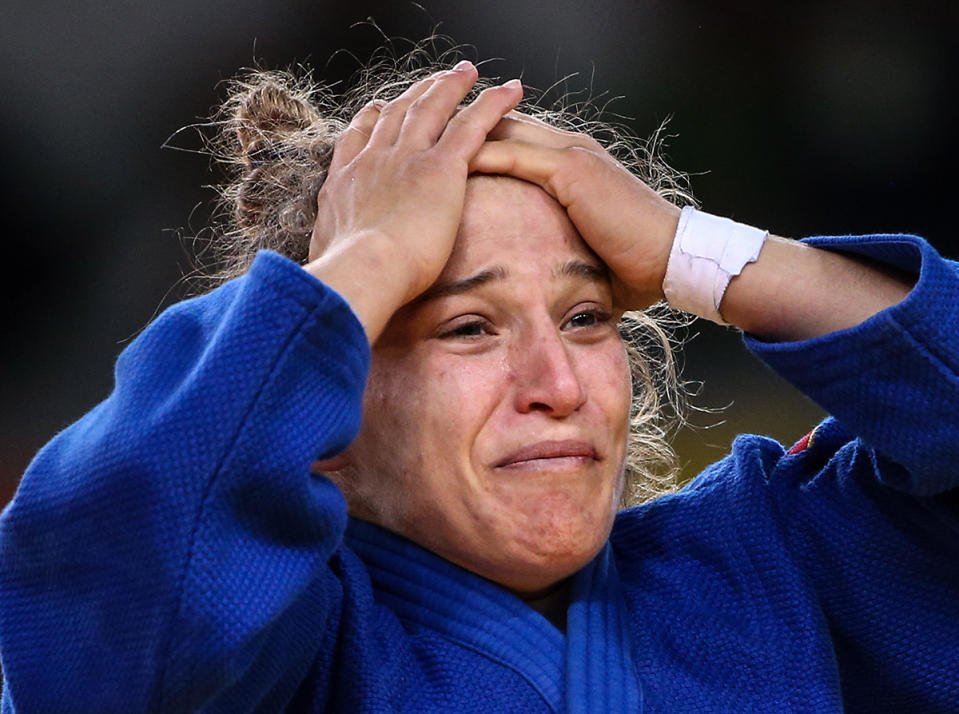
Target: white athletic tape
point(708, 251)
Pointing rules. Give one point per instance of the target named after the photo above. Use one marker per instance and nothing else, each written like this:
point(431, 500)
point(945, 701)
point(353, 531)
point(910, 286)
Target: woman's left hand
point(627, 224)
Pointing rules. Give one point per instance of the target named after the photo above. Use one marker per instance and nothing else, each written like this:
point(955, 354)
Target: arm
point(169, 551)
point(793, 291)
point(893, 379)
point(871, 516)
point(159, 552)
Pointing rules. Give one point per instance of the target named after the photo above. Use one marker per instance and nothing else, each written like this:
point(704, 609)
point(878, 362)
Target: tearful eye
point(587, 319)
point(467, 330)
point(583, 319)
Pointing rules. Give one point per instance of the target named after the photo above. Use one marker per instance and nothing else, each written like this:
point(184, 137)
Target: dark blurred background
point(806, 118)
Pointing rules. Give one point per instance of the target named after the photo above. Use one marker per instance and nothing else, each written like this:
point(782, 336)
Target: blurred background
point(805, 118)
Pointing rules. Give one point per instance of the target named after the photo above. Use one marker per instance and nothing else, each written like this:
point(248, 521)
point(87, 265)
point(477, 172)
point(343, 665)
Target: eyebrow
point(571, 268)
point(581, 269)
point(457, 287)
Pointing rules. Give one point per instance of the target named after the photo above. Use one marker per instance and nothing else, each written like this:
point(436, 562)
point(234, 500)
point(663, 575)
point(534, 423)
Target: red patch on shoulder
point(802, 444)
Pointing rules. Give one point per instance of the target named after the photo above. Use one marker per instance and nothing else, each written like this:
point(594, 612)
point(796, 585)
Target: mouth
point(551, 455)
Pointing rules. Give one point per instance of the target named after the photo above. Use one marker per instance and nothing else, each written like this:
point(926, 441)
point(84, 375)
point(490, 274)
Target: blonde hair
point(275, 134)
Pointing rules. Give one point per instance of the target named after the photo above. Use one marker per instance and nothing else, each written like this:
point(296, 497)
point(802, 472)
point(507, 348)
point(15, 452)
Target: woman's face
point(496, 412)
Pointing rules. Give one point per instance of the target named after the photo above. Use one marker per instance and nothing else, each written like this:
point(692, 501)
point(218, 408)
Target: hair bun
point(267, 113)
point(275, 145)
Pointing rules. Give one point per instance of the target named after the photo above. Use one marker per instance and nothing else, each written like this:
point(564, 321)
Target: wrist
point(669, 229)
point(367, 274)
point(706, 254)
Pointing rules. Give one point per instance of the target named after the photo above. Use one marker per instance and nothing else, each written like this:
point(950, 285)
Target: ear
point(334, 463)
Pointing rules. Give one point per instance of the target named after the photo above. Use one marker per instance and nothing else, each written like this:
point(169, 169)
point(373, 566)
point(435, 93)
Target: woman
point(172, 552)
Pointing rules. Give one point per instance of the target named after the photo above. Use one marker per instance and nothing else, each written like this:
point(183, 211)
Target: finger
point(572, 175)
point(354, 139)
point(466, 132)
point(531, 162)
point(393, 113)
point(428, 115)
point(516, 125)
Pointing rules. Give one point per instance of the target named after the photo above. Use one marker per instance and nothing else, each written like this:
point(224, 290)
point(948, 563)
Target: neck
point(552, 603)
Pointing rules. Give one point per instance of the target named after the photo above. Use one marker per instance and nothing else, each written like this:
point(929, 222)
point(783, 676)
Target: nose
point(546, 376)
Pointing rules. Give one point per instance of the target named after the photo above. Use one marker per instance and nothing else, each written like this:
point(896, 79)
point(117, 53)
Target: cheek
point(421, 415)
point(395, 412)
point(609, 383)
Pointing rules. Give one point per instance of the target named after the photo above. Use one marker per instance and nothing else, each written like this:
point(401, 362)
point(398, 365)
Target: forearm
point(796, 292)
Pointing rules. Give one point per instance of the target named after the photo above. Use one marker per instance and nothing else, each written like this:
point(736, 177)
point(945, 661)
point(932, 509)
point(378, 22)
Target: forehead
point(512, 223)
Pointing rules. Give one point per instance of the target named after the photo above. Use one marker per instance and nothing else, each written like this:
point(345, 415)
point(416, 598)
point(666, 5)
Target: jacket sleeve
point(869, 507)
point(167, 552)
point(893, 380)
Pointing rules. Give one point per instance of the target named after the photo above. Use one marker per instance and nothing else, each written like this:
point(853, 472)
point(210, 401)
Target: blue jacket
point(170, 551)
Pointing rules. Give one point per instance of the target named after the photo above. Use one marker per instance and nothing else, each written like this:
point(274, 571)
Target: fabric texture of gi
point(170, 551)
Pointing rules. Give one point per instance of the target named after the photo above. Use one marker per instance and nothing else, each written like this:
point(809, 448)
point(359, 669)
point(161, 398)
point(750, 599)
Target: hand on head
point(395, 189)
point(398, 176)
point(627, 224)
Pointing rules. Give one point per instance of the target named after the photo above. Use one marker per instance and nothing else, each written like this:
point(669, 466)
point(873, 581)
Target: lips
point(545, 451)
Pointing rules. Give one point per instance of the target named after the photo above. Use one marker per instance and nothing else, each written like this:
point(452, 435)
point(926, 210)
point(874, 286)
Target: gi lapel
point(422, 588)
point(600, 675)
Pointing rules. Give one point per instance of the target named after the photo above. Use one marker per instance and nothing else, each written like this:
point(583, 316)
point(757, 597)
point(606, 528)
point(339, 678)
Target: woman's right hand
point(388, 213)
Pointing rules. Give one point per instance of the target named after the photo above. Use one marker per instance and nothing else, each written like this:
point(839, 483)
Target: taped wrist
point(708, 251)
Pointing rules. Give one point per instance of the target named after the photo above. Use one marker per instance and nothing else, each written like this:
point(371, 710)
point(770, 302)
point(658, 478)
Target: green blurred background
point(805, 118)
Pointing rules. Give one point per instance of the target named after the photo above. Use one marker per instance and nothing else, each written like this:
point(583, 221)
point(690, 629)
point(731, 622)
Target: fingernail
point(513, 84)
point(464, 64)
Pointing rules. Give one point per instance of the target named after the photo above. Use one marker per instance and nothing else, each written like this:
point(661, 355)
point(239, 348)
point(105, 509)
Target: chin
point(553, 548)
point(536, 577)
